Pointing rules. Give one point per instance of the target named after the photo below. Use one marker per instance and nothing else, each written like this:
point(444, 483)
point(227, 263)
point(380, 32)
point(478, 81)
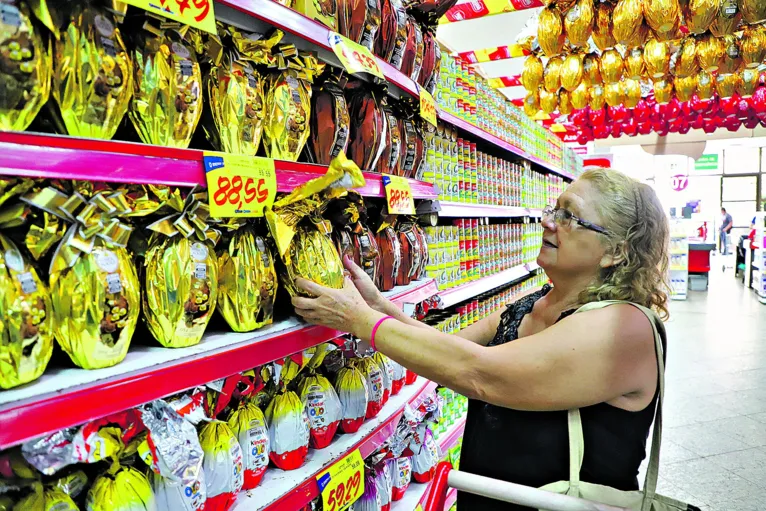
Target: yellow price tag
point(427, 106)
point(195, 13)
point(398, 195)
point(418, 508)
point(239, 185)
point(354, 57)
point(342, 484)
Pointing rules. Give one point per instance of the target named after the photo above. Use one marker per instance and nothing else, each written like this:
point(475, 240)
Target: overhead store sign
point(479, 8)
point(679, 182)
point(195, 13)
point(707, 163)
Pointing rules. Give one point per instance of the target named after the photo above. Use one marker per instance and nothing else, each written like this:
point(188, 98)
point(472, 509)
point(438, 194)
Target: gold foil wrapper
point(612, 66)
point(710, 51)
point(685, 87)
point(572, 71)
point(180, 288)
point(657, 58)
point(614, 95)
point(566, 105)
point(247, 281)
point(705, 85)
point(26, 315)
point(627, 18)
point(167, 93)
point(591, 66)
point(727, 18)
point(92, 74)
point(632, 92)
point(597, 97)
point(634, 63)
point(552, 74)
point(532, 74)
point(699, 14)
point(312, 256)
point(726, 85)
point(663, 91)
point(578, 22)
point(749, 82)
point(753, 46)
point(550, 31)
point(732, 58)
point(663, 17)
point(25, 76)
point(580, 95)
point(549, 101)
point(686, 62)
point(532, 103)
point(753, 11)
point(288, 108)
point(602, 30)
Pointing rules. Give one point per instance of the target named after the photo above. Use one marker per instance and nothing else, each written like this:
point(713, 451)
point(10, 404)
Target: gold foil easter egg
point(552, 74)
point(632, 92)
point(727, 18)
point(602, 30)
point(580, 95)
point(572, 71)
point(614, 94)
point(749, 82)
point(549, 101)
point(532, 103)
point(705, 85)
point(727, 85)
point(663, 91)
point(578, 22)
point(732, 58)
point(657, 58)
point(612, 66)
point(597, 99)
point(634, 63)
point(699, 14)
point(532, 74)
point(626, 19)
point(753, 45)
point(753, 11)
point(550, 31)
point(685, 87)
point(663, 17)
point(591, 66)
point(565, 102)
point(686, 61)
point(710, 51)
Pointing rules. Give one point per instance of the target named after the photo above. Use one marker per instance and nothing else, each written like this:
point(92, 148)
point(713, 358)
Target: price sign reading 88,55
point(342, 484)
point(239, 185)
point(354, 57)
point(398, 195)
point(195, 13)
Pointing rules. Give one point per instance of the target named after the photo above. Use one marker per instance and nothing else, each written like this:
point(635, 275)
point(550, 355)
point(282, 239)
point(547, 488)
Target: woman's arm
point(588, 358)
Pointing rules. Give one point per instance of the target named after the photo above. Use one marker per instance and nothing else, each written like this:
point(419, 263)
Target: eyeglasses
point(564, 218)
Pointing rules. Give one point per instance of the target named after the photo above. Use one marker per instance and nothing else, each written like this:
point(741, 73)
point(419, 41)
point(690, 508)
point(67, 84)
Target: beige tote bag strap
point(576, 442)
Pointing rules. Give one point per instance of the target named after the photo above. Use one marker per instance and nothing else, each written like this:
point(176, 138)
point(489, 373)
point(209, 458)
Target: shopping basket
point(445, 478)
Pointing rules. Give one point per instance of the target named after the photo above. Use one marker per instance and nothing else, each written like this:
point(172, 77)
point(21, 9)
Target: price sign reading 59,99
point(239, 185)
point(398, 195)
point(342, 484)
point(354, 57)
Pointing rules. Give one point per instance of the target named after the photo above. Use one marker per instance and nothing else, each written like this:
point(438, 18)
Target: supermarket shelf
point(452, 435)
point(63, 157)
point(536, 212)
point(460, 210)
point(466, 291)
point(65, 397)
point(281, 490)
point(491, 139)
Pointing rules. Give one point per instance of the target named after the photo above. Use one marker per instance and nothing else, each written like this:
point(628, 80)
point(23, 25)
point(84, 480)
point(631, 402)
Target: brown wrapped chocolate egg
point(612, 66)
point(549, 101)
point(247, 280)
point(705, 85)
point(580, 95)
point(591, 67)
point(686, 61)
point(634, 63)
point(749, 82)
point(400, 41)
point(392, 146)
point(92, 73)
point(657, 58)
point(663, 91)
point(386, 35)
point(410, 243)
point(699, 14)
point(25, 75)
point(596, 97)
point(368, 128)
point(532, 74)
point(572, 71)
point(359, 20)
point(753, 11)
point(627, 18)
point(732, 59)
point(578, 22)
point(727, 18)
point(390, 258)
point(727, 85)
point(685, 87)
point(550, 31)
point(566, 106)
point(330, 122)
point(411, 154)
point(632, 92)
point(26, 319)
point(412, 59)
point(614, 95)
point(710, 51)
point(167, 87)
point(552, 74)
point(602, 29)
point(663, 17)
point(753, 46)
point(532, 103)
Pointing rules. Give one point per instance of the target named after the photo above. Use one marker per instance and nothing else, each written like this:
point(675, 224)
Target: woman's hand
point(341, 309)
point(364, 285)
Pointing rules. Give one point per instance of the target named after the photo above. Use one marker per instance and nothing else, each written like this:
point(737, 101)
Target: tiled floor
point(714, 438)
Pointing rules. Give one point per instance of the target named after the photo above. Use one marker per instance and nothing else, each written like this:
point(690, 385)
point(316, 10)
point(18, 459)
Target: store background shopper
point(606, 240)
point(726, 224)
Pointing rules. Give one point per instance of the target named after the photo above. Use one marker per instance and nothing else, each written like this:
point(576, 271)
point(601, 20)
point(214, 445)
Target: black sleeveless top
point(532, 448)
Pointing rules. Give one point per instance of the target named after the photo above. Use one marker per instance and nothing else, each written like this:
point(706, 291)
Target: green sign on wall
point(707, 163)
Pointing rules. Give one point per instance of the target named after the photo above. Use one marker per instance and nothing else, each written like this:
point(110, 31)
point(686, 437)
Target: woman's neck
point(566, 291)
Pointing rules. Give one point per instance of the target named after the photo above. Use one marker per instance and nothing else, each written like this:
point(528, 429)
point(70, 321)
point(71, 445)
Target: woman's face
point(574, 250)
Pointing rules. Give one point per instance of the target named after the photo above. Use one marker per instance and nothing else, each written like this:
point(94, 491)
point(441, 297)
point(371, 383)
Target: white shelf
point(463, 292)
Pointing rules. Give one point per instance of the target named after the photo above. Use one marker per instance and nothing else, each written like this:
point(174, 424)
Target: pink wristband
point(375, 329)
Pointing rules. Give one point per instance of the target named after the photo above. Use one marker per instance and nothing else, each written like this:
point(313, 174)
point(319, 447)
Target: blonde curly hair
point(638, 237)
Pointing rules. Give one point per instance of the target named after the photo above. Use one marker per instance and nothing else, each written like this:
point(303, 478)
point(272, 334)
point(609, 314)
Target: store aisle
point(714, 446)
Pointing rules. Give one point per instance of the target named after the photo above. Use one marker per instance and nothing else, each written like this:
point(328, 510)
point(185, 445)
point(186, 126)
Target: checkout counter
point(699, 263)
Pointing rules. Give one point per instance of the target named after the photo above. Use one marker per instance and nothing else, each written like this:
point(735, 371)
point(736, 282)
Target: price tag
point(398, 195)
point(427, 106)
point(239, 185)
point(354, 57)
point(342, 484)
point(195, 13)
point(419, 508)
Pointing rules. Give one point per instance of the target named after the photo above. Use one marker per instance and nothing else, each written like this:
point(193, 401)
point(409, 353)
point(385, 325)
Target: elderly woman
point(524, 367)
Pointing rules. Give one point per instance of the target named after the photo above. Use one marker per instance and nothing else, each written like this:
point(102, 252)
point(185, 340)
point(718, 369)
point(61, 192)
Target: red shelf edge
point(308, 490)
